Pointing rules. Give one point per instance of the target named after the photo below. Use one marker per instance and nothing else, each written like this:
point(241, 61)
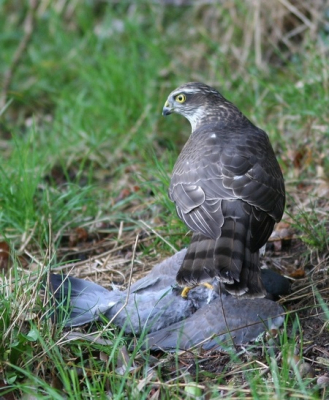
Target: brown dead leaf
point(299, 158)
point(282, 231)
point(122, 195)
point(4, 256)
point(297, 274)
point(103, 356)
point(281, 236)
point(77, 236)
point(302, 157)
point(127, 191)
point(56, 383)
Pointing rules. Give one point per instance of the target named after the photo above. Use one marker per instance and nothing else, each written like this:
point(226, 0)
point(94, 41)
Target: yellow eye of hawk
point(180, 98)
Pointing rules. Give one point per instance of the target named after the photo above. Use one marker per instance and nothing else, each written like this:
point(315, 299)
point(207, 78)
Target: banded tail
point(229, 257)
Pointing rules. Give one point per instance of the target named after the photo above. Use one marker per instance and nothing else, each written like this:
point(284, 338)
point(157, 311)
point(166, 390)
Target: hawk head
point(199, 103)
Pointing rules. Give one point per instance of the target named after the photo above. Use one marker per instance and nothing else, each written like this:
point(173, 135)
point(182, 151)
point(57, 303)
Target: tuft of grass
point(313, 227)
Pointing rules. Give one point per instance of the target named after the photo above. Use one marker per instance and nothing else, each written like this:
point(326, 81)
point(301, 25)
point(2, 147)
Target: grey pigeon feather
point(154, 301)
point(155, 304)
point(219, 323)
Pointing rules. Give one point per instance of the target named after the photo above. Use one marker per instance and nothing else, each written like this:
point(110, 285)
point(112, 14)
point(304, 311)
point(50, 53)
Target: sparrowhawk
point(228, 188)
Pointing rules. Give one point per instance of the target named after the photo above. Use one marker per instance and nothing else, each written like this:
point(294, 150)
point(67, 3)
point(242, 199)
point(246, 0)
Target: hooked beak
point(167, 109)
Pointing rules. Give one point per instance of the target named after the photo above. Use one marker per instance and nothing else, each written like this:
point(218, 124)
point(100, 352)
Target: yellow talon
point(208, 285)
point(186, 289)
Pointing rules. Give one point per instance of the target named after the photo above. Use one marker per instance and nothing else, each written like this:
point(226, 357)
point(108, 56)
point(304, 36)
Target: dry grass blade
point(294, 10)
point(128, 290)
point(159, 236)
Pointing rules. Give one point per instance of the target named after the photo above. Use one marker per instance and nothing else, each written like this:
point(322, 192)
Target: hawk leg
point(186, 289)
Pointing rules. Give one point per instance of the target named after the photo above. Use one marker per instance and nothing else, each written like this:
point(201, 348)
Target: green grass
point(85, 146)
